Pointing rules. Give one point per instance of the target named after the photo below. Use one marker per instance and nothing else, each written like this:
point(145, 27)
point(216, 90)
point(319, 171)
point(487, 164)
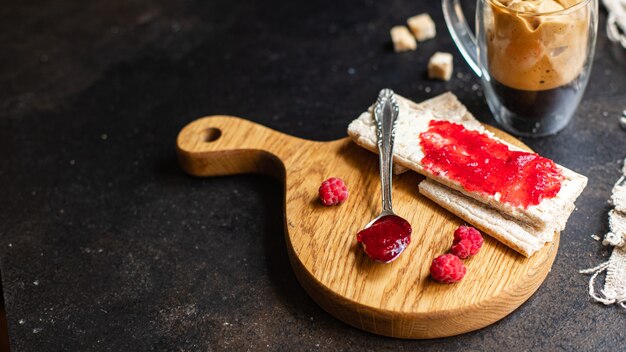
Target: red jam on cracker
point(482, 164)
point(386, 238)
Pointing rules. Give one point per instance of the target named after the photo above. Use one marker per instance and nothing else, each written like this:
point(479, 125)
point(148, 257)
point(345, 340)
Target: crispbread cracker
point(443, 107)
point(413, 119)
point(524, 239)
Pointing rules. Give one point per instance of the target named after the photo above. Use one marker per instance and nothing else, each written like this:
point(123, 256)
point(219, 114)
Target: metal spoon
point(391, 245)
point(386, 115)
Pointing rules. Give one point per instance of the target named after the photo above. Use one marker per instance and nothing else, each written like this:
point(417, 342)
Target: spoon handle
point(386, 114)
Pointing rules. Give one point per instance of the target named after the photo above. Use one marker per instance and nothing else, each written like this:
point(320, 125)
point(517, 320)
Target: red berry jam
point(386, 238)
point(481, 164)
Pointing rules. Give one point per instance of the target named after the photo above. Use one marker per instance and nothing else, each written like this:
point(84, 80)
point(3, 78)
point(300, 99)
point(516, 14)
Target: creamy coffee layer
point(538, 6)
point(530, 50)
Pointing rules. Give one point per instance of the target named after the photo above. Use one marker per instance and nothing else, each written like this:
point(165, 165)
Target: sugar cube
point(402, 39)
point(422, 26)
point(440, 66)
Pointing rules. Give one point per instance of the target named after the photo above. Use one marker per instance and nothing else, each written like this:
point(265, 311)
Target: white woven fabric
point(616, 21)
point(614, 291)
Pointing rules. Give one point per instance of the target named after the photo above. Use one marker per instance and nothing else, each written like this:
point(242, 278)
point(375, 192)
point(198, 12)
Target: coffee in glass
point(533, 56)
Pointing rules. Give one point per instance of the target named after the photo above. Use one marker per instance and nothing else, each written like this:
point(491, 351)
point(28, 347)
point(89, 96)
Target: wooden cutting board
point(397, 299)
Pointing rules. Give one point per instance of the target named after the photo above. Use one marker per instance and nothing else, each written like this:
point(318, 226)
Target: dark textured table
point(106, 245)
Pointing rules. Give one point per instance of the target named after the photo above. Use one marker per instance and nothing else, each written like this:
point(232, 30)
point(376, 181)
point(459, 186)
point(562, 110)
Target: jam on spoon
point(385, 237)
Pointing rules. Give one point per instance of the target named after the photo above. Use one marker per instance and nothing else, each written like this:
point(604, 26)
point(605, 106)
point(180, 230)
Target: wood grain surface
point(397, 299)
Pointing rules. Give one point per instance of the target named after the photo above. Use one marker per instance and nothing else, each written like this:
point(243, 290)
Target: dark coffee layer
point(540, 104)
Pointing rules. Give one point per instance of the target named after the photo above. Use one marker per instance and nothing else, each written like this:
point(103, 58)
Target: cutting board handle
point(227, 145)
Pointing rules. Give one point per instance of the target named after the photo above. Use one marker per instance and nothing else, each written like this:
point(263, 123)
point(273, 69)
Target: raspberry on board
point(447, 269)
point(471, 240)
point(463, 249)
point(333, 191)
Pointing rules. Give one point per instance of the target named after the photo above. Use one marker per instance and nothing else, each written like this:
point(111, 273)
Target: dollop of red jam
point(482, 164)
point(386, 238)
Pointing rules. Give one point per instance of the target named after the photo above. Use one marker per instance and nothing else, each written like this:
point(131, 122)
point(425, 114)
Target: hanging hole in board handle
point(211, 134)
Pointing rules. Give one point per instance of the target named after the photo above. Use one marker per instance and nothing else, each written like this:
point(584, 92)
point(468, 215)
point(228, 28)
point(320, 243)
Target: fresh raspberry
point(333, 191)
point(464, 249)
point(447, 268)
point(467, 242)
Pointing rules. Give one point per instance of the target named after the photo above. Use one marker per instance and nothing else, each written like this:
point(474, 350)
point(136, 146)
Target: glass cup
point(534, 63)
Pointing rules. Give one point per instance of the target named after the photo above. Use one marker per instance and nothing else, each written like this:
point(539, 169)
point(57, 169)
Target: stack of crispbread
point(524, 229)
